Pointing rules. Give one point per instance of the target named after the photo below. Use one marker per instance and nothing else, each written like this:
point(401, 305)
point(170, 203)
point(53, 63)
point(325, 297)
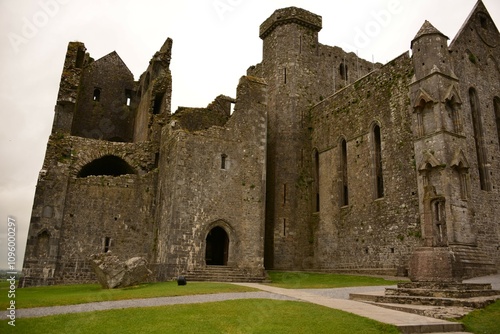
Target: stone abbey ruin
point(328, 162)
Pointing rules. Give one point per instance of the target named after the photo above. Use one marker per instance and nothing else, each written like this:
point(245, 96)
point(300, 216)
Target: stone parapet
point(290, 15)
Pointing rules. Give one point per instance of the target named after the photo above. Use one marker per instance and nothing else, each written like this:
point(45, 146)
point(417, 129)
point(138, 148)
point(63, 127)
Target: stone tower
point(443, 170)
point(300, 72)
point(290, 48)
point(444, 127)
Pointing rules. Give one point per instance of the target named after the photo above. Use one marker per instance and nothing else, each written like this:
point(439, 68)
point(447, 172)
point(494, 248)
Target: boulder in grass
point(113, 273)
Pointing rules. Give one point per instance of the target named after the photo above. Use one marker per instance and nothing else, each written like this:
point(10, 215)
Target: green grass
point(303, 280)
point(484, 321)
point(86, 293)
point(235, 316)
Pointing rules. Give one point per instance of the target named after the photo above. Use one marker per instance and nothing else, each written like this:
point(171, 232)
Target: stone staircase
point(225, 274)
point(439, 300)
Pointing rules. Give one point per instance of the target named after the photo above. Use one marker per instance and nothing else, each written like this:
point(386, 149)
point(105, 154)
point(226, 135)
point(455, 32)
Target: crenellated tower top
point(290, 15)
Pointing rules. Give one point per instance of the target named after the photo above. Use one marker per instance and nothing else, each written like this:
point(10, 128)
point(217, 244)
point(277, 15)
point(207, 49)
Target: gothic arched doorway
point(217, 247)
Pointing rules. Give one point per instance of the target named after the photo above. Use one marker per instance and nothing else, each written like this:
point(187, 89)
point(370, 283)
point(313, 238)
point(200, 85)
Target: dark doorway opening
point(217, 248)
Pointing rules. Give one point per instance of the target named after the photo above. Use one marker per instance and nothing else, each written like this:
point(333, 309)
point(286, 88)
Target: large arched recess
point(110, 165)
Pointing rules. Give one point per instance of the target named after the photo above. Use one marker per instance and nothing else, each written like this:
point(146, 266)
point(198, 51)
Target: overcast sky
point(215, 41)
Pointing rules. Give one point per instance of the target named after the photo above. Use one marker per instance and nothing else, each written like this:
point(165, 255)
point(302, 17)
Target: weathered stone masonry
point(328, 162)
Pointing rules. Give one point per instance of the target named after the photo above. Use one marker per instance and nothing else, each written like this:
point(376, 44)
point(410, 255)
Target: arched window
point(344, 187)
point(108, 165)
point(484, 177)
point(377, 162)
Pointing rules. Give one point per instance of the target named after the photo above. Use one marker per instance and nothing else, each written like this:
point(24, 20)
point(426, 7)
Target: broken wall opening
point(109, 165)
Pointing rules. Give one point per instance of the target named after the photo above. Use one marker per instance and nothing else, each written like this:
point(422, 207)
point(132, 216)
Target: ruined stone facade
point(328, 162)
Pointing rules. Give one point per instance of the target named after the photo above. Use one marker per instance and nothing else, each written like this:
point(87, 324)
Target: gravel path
point(146, 302)
point(338, 293)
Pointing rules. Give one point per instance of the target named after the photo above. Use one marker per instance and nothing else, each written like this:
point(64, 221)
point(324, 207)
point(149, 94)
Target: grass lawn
point(484, 321)
point(235, 316)
point(86, 293)
point(303, 280)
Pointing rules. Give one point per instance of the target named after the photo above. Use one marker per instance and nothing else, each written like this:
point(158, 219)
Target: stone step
point(445, 286)
point(477, 302)
point(225, 279)
point(440, 293)
point(223, 274)
point(438, 312)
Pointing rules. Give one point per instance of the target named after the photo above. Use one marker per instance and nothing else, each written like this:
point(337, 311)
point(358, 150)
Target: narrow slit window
point(344, 189)
point(97, 95)
point(343, 71)
point(223, 161)
point(128, 97)
point(284, 194)
point(316, 180)
point(464, 191)
point(437, 211)
point(157, 159)
point(284, 75)
point(107, 244)
point(377, 162)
